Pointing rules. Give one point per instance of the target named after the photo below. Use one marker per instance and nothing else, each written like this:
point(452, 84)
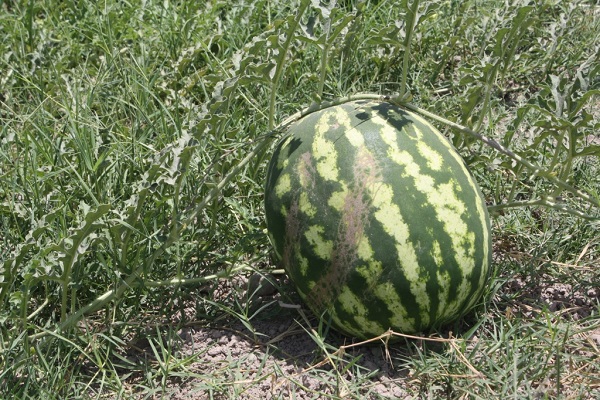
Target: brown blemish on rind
point(307, 171)
point(353, 223)
point(294, 221)
point(292, 233)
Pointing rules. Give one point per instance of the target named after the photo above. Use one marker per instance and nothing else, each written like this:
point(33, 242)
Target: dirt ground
point(278, 358)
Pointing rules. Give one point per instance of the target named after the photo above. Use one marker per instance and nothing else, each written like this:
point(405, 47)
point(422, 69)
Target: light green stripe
point(283, 185)
point(433, 158)
point(387, 293)
point(323, 150)
point(467, 268)
point(305, 206)
point(338, 199)
point(481, 211)
point(282, 163)
point(388, 214)
point(303, 265)
point(352, 304)
point(371, 272)
point(444, 200)
point(443, 279)
point(322, 247)
point(354, 136)
point(364, 249)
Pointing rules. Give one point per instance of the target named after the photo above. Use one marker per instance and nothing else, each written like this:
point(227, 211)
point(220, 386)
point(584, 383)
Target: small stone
point(216, 334)
point(261, 285)
point(370, 365)
point(186, 335)
point(214, 351)
point(397, 392)
point(251, 359)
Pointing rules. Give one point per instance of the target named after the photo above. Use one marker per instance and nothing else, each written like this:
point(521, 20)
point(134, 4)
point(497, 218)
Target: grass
point(133, 143)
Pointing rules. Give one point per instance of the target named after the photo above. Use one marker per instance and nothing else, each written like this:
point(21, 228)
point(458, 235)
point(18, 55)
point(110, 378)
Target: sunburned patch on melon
point(350, 231)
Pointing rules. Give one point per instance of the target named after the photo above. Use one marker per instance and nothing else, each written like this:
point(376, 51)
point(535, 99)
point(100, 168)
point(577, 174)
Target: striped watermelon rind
point(377, 220)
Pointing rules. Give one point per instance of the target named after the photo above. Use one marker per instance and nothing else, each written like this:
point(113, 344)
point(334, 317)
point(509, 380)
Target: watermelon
point(376, 220)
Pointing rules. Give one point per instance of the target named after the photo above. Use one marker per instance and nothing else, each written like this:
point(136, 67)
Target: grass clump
point(133, 142)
